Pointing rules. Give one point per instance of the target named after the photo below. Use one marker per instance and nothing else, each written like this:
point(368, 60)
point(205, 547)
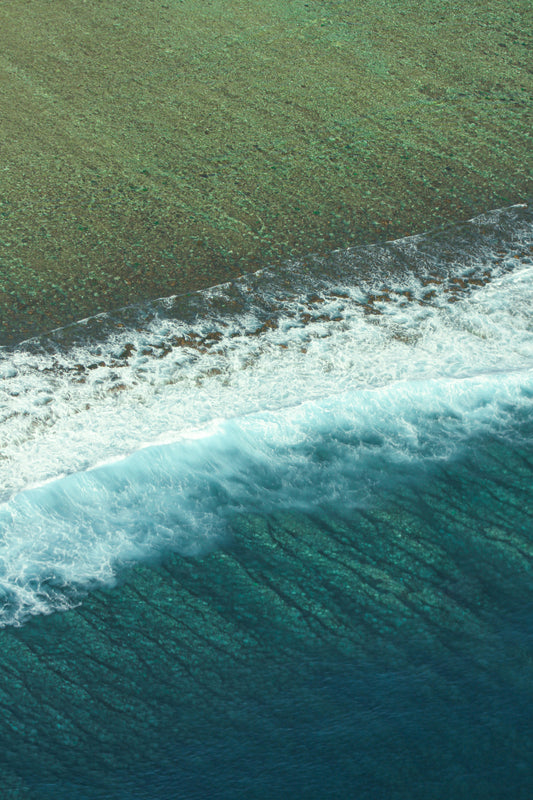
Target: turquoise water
point(275, 539)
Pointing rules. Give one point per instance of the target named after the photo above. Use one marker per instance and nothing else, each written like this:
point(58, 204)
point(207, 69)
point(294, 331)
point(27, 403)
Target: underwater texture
point(152, 148)
point(275, 539)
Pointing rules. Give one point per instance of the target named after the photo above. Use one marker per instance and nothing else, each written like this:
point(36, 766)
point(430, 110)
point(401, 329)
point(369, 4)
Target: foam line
point(152, 437)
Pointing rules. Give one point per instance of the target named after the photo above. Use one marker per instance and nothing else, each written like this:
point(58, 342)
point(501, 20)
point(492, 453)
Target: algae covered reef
point(152, 148)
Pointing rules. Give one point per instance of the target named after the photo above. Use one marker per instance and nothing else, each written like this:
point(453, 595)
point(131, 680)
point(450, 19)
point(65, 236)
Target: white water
point(110, 454)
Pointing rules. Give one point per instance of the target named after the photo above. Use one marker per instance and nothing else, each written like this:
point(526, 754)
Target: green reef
point(154, 148)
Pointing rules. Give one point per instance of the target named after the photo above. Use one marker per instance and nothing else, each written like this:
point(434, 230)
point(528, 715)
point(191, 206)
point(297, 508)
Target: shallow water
point(291, 519)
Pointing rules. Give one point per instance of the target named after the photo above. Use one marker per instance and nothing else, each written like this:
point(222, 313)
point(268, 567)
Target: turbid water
point(275, 538)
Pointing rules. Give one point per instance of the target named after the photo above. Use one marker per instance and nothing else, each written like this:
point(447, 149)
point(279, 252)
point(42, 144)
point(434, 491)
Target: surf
point(127, 437)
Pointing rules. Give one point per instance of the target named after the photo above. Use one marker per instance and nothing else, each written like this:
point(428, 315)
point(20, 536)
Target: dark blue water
point(290, 559)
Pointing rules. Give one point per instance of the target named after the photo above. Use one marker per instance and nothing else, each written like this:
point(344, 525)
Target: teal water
point(276, 540)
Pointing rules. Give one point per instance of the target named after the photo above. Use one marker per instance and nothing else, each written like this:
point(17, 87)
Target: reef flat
point(152, 148)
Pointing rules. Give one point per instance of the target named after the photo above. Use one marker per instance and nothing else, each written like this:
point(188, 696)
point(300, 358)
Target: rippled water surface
point(275, 538)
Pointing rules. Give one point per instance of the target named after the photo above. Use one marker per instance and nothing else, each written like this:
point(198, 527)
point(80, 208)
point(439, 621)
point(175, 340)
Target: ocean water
point(275, 538)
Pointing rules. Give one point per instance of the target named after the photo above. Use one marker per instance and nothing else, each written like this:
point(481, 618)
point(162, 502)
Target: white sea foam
point(152, 438)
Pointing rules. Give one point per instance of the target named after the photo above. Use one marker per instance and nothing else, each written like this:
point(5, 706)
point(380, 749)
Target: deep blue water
point(275, 540)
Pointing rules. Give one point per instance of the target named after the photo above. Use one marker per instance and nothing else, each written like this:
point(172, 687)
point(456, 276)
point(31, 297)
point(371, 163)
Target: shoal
point(151, 148)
